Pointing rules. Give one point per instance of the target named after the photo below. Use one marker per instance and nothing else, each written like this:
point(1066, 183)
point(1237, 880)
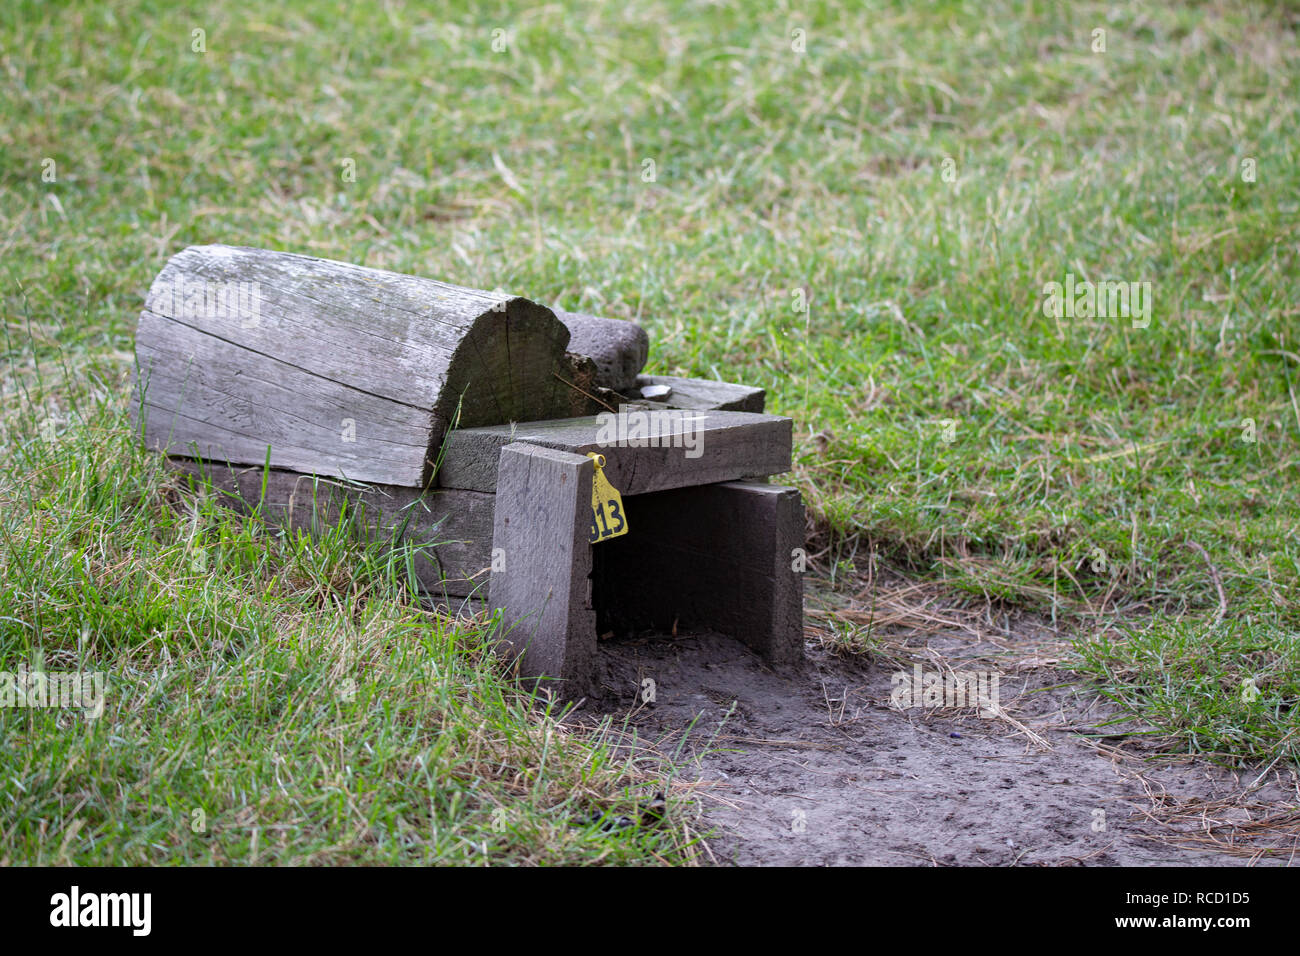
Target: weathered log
point(340, 369)
point(619, 348)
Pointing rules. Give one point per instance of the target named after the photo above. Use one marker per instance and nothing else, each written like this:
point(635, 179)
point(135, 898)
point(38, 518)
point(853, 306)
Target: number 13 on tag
point(607, 520)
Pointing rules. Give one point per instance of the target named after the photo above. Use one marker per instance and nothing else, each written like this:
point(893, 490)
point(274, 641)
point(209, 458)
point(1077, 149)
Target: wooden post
point(541, 578)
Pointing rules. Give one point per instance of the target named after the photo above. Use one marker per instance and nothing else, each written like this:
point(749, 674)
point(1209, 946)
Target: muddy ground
point(811, 765)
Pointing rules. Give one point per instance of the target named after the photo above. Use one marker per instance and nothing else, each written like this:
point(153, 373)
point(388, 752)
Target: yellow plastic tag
point(607, 518)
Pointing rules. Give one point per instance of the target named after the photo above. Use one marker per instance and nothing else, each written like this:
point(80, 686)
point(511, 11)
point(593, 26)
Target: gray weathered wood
point(703, 394)
point(342, 370)
point(718, 556)
point(542, 584)
point(619, 348)
point(465, 608)
point(732, 445)
point(451, 528)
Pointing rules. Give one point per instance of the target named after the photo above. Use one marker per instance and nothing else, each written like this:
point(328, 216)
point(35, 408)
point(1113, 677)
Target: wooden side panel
point(543, 587)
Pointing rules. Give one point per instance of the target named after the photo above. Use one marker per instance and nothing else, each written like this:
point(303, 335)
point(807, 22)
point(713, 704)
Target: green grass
point(1225, 690)
point(268, 698)
point(1088, 459)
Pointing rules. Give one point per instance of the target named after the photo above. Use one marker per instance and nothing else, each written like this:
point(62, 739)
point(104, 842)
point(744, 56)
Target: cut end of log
point(504, 370)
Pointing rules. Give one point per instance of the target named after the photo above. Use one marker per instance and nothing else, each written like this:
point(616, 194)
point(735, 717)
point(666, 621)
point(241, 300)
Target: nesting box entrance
point(714, 557)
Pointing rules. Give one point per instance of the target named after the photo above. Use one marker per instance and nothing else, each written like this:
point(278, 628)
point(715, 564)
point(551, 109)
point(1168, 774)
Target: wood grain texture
point(543, 507)
point(732, 445)
point(342, 370)
point(451, 529)
point(619, 348)
point(704, 394)
point(717, 556)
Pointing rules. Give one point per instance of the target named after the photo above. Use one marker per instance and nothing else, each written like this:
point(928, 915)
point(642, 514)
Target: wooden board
point(342, 370)
point(731, 445)
point(543, 582)
point(452, 528)
point(704, 394)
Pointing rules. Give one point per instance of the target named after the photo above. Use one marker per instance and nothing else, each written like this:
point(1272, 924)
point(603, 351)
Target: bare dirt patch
point(811, 765)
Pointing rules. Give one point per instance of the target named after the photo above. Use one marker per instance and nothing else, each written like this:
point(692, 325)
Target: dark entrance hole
point(661, 573)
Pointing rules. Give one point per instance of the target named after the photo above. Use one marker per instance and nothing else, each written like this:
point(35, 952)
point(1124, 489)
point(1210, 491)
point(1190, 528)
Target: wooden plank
point(695, 448)
point(706, 395)
point(542, 585)
point(341, 369)
point(717, 556)
point(451, 528)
